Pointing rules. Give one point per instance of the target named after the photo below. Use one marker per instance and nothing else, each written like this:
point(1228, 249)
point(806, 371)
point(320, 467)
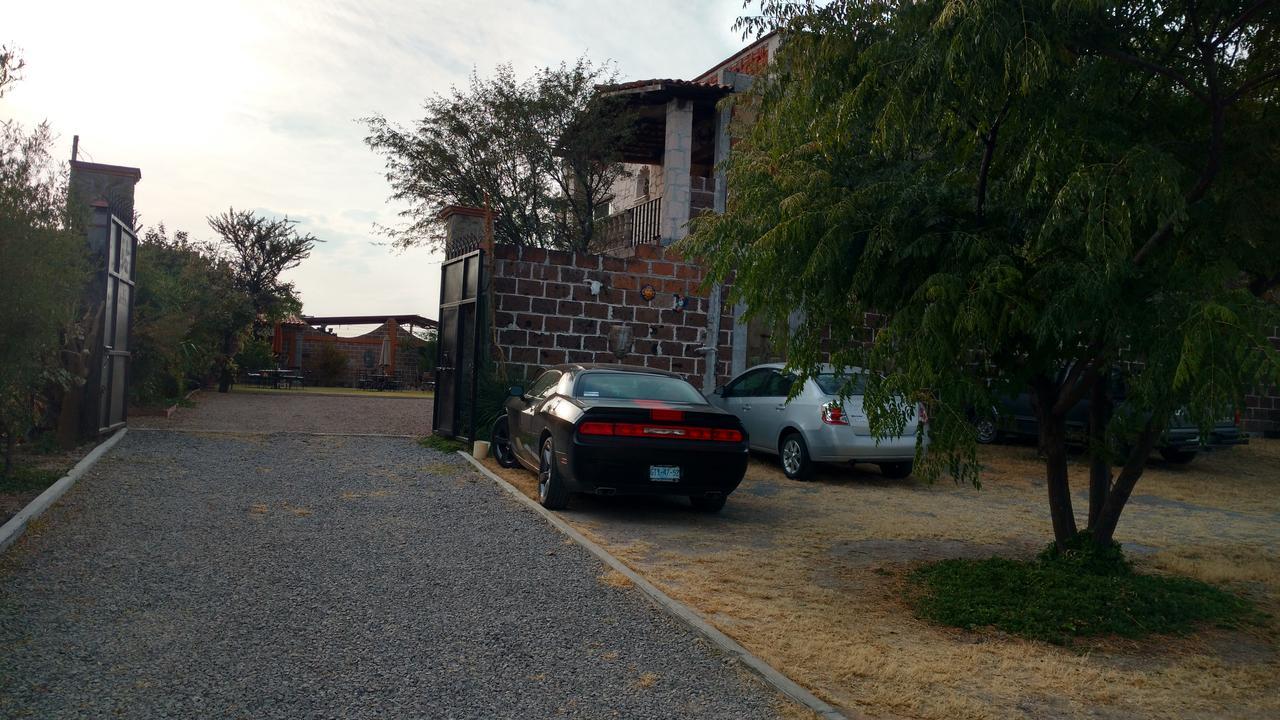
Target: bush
point(331, 365)
point(1059, 596)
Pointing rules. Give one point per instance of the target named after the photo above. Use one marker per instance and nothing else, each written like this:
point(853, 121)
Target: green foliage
point(259, 250)
point(1088, 557)
point(1055, 599)
point(43, 270)
point(256, 355)
point(185, 304)
point(330, 365)
point(23, 479)
point(1023, 194)
point(540, 151)
point(444, 445)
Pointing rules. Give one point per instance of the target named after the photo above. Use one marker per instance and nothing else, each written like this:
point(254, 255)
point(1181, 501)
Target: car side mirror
point(516, 391)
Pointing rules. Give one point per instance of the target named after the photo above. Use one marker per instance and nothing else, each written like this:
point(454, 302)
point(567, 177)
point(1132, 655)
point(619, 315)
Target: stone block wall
point(545, 312)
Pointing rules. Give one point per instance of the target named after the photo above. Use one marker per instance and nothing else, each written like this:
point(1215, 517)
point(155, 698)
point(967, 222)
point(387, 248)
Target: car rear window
point(636, 386)
point(833, 383)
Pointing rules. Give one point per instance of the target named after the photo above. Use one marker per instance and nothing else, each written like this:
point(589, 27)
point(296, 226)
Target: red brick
point(675, 287)
point(541, 339)
point(658, 362)
point(612, 264)
point(524, 355)
point(595, 310)
point(682, 365)
point(572, 275)
point(689, 272)
point(559, 257)
point(664, 269)
point(529, 321)
point(648, 252)
point(580, 356)
point(637, 266)
point(505, 252)
point(599, 343)
point(545, 272)
point(504, 285)
point(569, 308)
point(548, 356)
point(558, 291)
point(624, 313)
point(662, 332)
point(586, 261)
point(513, 337)
point(633, 359)
point(513, 303)
point(646, 315)
point(556, 324)
point(530, 288)
point(519, 270)
point(533, 255)
point(542, 305)
point(624, 282)
point(569, 342)
point(687, 334)
point(502, 319)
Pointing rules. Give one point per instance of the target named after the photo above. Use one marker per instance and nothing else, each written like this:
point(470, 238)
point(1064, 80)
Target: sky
point(255, 105)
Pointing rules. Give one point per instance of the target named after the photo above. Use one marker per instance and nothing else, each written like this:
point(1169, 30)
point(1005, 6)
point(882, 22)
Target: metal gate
point(113, 247)
point(459, 346)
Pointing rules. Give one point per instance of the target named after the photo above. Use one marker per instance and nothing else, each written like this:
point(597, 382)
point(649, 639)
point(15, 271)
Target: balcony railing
point(639, 225)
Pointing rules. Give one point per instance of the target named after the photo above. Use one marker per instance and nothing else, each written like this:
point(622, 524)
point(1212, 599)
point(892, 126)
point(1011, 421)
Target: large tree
point(43, 271)
point(1042, 195)
point(541, 152)
point(259, 249)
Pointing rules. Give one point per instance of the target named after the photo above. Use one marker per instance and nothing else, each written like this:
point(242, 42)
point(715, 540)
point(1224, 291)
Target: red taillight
point(596, 428)
point(660, 432)
point(666, 415)
point(833, 414)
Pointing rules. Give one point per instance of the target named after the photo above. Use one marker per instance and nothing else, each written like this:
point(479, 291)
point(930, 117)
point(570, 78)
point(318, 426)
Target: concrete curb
point(677, 609)
point(13, 529)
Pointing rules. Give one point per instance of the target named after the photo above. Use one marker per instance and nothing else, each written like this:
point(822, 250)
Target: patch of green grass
point(1064, 595)
point(435, 442)
point(26, 479)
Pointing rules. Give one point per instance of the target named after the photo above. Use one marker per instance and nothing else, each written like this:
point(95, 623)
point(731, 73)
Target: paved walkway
point(294, 576)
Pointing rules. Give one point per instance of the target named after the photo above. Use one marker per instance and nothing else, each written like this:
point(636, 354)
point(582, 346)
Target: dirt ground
point(810, 577)
point(286, 411)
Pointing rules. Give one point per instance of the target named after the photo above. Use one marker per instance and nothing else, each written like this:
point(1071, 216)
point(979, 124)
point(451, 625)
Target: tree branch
point(989, 151)
point(1182, 80)
point(1241, 20)
point(1252, 84)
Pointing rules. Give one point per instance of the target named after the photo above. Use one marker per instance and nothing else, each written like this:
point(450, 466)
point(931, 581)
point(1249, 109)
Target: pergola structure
point(288, 344)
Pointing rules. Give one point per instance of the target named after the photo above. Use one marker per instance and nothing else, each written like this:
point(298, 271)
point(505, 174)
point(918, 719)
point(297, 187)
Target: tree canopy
point(1034, 194)
point(259, 250)
point(541, 152)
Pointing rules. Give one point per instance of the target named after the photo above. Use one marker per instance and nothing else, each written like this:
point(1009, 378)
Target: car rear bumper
point(618, 469)
point(839, 444)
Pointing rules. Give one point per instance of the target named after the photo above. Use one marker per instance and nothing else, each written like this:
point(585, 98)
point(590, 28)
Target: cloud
point(253, 104)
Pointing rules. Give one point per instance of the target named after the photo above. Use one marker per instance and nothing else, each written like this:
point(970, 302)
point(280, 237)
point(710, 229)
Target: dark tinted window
point(778, 385)
point(545, 384)
point(834, 383)
point(747, 385)
point(636, 386)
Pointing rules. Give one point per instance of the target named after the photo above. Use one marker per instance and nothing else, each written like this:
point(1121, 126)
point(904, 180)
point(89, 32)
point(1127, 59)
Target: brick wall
point(545, 313)
point(1261, 412)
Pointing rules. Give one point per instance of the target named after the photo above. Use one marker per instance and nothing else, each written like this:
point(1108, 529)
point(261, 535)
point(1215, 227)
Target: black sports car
point(621, 430)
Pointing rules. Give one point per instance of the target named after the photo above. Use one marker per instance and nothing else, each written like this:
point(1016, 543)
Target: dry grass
point(810, 577)
point(646, 680)
point(615, 579)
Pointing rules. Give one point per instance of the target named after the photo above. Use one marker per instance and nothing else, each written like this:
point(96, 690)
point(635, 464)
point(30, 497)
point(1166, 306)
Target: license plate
point(664, 473)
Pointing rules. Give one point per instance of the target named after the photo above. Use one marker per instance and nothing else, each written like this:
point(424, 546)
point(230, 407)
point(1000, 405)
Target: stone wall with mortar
point(545, 312)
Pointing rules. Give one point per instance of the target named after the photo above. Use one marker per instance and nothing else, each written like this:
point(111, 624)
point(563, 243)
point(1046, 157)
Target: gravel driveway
point(374, 414)
point(294, 576)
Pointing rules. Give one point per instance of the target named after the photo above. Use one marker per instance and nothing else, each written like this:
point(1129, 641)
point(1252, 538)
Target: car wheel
point(794, 455)
point(1181, 457)
point(705, 504)
point(895, 470)
point(500, 444)
point(551, 490)
point(986, 431)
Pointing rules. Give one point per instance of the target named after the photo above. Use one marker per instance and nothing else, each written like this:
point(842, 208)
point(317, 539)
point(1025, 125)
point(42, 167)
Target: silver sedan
point(815, 426)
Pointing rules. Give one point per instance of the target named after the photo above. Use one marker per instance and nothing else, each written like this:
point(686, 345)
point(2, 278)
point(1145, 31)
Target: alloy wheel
point(986, 431)
point(544, 471)
point(791, 456)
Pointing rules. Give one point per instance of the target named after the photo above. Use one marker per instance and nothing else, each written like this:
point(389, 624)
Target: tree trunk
point(1100, 456)
point(1105, 528)
point(224, 379)
point(1053, 443)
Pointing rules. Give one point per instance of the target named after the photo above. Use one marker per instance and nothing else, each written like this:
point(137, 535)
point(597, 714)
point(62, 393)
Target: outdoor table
point(274, 375)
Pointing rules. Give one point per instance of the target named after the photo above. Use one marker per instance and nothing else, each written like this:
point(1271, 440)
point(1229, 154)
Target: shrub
point(1063, 595)
point(331, 365)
